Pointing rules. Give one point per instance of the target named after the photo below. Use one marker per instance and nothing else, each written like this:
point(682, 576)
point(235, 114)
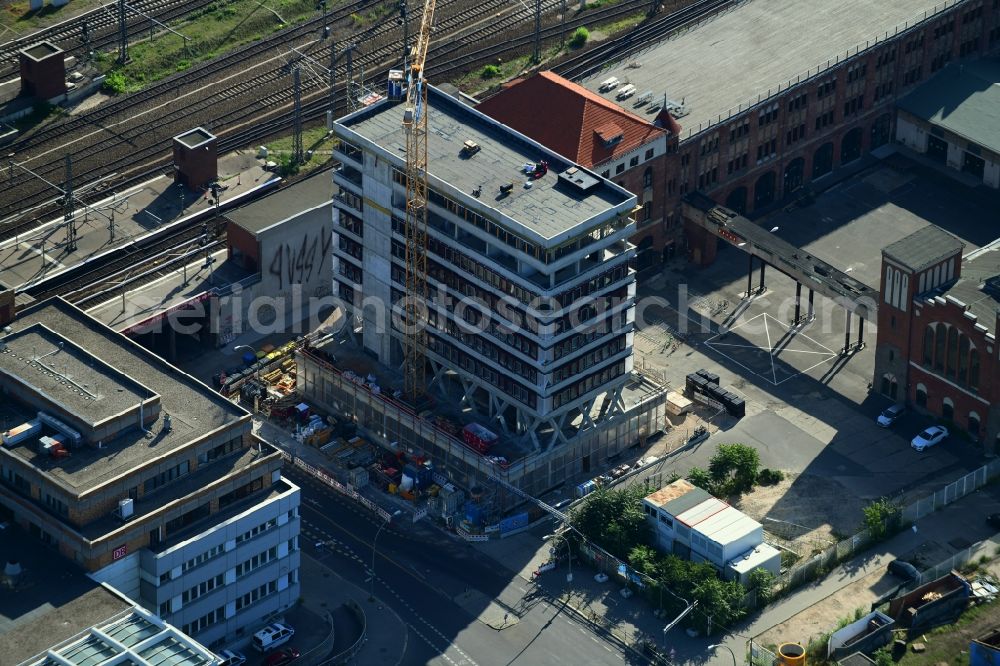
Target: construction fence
point(822, 562)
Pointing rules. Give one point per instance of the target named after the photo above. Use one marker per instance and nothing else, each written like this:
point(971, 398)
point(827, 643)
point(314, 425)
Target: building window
point(633, 162)
point(963, 359)
point(948, 409)
point(921, 396)
point(767, 116)
point(649, 154)
point(606, 174)
point(826, 88)
point(647, 178)
point(164, 609)
point(952, 367)
point(163, 478)
point(929, 346)
point(824, 119)
point(800, 102)
point(974, 370)
point(974, 425)
point(940, 339)
point(620, 168)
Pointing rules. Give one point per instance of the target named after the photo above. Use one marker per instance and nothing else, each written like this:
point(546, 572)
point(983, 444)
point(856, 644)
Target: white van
point(272, 636)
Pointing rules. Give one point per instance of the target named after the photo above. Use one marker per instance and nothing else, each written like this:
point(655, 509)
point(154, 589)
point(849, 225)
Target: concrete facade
point(536, 377)
point(130, 507)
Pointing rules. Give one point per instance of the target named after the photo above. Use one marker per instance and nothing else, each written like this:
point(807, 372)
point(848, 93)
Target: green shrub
point(882, 517)
point(883, 657)
point(770, 477)
point(116, 83)
point(490, 72)
point(182, 65)
point(700, 478)
point(579, 38)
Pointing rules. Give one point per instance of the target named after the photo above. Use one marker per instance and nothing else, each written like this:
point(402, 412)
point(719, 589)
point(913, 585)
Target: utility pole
point(406, 33)
point(351, 101)
point(333, 80)
point(537, 57)
point(297, 132)
point(122, 34)
point(68, 207)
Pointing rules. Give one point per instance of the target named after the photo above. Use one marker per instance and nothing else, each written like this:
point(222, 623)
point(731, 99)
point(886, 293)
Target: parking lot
point(809, 409)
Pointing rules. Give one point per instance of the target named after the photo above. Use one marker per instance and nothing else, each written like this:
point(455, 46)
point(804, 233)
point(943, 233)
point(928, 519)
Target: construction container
point(358, 477)
point(586, 488)
point(710, 377)
point(694, 383)
point(393, 488)
point(23, 432)
point(791, 654)
point(478, 437)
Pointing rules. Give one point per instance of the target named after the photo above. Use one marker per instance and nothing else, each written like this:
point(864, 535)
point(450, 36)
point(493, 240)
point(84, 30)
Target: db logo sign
point(119, 552)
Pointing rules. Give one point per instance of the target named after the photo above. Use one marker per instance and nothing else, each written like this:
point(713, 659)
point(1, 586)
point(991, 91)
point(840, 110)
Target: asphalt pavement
point(458, 607)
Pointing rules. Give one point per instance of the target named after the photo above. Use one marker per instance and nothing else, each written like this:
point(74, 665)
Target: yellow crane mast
point(415, 126)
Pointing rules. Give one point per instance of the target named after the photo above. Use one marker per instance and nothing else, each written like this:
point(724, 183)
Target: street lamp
point(371, 594)
point(720, 645)
point(569, 552)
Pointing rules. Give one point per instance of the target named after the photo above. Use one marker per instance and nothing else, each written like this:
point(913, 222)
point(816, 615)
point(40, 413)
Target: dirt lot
point(814, 512)
point(822, 617)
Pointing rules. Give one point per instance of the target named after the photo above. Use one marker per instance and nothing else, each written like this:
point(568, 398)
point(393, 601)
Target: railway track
point(253, 128)
point(101, 29)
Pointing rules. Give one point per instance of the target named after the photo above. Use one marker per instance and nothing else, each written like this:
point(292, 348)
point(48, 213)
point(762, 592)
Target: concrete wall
point(295, 257)
point(910, 133)
point(284, 570)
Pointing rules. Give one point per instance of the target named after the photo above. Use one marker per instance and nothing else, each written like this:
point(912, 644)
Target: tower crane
point(415, 127)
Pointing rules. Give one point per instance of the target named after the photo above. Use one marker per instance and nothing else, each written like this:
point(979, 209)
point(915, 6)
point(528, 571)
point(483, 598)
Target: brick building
point(604, 137)
point(954, 119)
point(937, 323)
point(143, 476)
point(767, 111)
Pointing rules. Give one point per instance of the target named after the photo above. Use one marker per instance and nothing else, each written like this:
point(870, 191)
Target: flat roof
point(750, 560)
point(963, 98)
point(195, 138)
point(721, 525)
point(676, 489)
point(80, 383)
point(284, 203)
point(41, 50)
point(137, 638)
point(50, 601)
point(739, 55)
point(195, 409)
point(923, 248)
point(979, 286)
point(702, 511)
point(547, 210)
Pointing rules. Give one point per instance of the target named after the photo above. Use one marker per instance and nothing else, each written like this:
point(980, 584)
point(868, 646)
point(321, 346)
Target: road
point(440, 587)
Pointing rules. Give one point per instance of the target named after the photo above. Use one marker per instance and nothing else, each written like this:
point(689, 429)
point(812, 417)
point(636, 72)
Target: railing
point(812, 73)
point(348, 654)
point(828, 558)
point(318, 655)
point(341, 488)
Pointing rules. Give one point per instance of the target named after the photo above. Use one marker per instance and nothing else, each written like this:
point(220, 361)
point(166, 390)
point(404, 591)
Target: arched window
point(974, 369)
point(974, 424)
point(921, 395)
point(940, 336)
point(952, 352)
point(929, 346)
point(948, 409)
point(963, 359)
point(647, 177)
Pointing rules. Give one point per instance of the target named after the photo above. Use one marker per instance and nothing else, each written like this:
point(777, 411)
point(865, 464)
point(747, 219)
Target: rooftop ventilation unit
point(74, 437)
point(126, 508)
point(579, 179)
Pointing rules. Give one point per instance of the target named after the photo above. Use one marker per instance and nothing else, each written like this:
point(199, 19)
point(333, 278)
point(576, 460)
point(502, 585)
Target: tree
point(734, 468)
point(614, 520)
point(701, 478)
point(761, 580)
point(882, 517)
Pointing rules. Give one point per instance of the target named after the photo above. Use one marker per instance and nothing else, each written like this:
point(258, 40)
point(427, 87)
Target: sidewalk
point(323, 591)
point(632, 619)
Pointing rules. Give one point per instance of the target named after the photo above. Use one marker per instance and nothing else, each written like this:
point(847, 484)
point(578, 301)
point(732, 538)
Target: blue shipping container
point(514, 522)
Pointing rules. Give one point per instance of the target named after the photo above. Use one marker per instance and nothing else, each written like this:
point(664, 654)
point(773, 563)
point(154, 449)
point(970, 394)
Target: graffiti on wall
point(296, 262)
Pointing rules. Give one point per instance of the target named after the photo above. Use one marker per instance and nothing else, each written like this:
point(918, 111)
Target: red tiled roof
point(569, 119)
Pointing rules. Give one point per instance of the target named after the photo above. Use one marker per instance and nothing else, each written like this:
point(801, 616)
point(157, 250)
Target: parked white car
point(930, 437)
